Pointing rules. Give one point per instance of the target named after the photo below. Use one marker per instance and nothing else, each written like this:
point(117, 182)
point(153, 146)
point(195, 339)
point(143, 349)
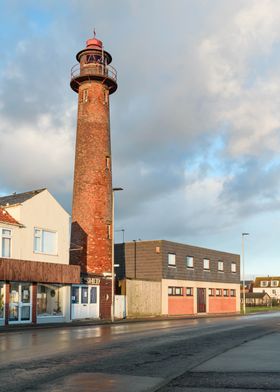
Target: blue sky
point(195, 121)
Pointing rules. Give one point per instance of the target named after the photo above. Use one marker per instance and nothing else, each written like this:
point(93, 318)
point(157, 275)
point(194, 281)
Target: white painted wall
point(44, 212)
point(269, 291)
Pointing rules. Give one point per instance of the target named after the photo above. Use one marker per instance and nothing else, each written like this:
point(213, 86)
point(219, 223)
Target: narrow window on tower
point(106, 97)
point(109, 233)
point(85, 95)
point(108, 163)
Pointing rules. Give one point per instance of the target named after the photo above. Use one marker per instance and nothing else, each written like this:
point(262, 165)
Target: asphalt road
point(209, 354)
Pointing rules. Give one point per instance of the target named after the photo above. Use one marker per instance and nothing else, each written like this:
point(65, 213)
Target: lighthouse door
point(85, 302)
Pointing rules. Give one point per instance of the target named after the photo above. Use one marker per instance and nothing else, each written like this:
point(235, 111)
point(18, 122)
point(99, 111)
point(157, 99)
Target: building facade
point(269, 285)
point(35, 275)
point(168, 278)
point(94, 79)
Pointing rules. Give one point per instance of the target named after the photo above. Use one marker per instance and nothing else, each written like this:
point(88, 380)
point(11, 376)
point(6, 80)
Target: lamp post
point(243, 273)
point(113, 254)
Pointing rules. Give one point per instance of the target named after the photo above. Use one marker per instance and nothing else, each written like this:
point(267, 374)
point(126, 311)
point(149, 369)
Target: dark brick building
point(192, 279)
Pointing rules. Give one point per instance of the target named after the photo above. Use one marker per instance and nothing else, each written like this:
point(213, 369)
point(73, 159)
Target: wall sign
point(88, 280)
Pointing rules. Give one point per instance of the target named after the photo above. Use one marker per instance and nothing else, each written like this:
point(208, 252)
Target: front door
point(20, 303)
point(85, 302)
point(201, 300)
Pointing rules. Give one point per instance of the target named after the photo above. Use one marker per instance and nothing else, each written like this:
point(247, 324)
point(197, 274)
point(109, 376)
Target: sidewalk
point(92, 322)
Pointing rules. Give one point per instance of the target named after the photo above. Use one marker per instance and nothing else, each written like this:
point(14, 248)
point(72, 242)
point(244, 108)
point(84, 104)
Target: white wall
point(44, 212)
point(268, 290)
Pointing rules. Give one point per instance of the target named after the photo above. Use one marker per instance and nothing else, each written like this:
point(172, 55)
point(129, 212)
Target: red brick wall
point(222, 304)
point(92, 193)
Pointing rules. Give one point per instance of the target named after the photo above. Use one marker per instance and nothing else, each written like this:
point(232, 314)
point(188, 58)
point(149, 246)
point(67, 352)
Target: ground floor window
point(49, 300)
point(2, 300)
point(211, 292)
point(175, 290)
point(189, 291)
point(232, 293)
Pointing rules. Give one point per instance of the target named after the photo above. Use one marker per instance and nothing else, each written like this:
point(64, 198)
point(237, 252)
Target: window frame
point(5, 236)
point(172, 291)
point(41, 251)
point(218, 292)
point(233, 268)
point(189, 258)
point(204, 261)
point(225, 293)
point(169, 260)
point(211, 292)
point(232, 293)
point(190, 289)
point(274, 285)
point(220, 264)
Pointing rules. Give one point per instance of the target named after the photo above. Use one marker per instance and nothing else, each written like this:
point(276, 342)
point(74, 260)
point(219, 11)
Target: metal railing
point(95, 69)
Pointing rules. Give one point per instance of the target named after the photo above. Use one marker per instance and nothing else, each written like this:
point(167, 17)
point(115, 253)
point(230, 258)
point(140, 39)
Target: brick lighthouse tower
point(91, 236)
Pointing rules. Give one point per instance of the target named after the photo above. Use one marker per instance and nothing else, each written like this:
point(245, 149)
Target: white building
point(269, 285)
point(35, 275)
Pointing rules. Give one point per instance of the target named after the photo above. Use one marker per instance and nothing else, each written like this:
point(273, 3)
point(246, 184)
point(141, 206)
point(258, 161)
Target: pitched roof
point(5, 217)
point(17, 198)
point(256, 295)
point(259, 279)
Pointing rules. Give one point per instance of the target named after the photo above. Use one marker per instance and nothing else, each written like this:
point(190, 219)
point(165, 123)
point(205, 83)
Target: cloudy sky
point(195, 121)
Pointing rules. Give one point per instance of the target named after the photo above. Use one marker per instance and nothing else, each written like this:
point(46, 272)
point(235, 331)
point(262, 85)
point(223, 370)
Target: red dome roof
point(94, 42)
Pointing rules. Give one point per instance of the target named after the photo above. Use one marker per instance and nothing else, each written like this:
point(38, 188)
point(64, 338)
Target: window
point(225, 292)
point(49, 300)
point(2, 303)
point(6, 241)
point(75, 295)
point(93, 295)
point(171, 260)
point(211, 292)
point(206, 264)
point(274, 283)
point(109, 234)
point(232, 293)
point(273, 292)
point(189, 261)
point(218, 292)
point(108, 163)
point(233, 267)
point(189, 291)
point(45, 241)
point(264, 283)
point(106, 96)
point(85, 95)
point(220, 266)
point(175, 291)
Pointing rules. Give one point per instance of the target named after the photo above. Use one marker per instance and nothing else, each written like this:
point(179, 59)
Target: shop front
point(35, 292)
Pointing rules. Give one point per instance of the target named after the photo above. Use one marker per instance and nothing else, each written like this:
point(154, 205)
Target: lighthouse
point(94, 80)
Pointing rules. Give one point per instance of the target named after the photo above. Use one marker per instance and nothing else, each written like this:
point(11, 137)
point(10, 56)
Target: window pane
point(75, 295)
point(233, 267)
point(6, 247)
point(49, 300)
point(6, 233)
point(25, 294)
point(171, 259)
point(49, 242)
point(84, 295)
point(93, 295)
point(37, 244)
point(189, 261)
point(206, 263)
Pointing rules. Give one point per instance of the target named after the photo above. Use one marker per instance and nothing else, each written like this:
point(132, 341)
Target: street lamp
point(243, 272)
point(113, 254)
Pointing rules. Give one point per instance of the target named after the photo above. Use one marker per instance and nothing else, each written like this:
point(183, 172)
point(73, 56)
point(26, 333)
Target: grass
point(255, 309)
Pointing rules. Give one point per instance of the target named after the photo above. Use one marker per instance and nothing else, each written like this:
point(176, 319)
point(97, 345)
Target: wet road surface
point(210, 354)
